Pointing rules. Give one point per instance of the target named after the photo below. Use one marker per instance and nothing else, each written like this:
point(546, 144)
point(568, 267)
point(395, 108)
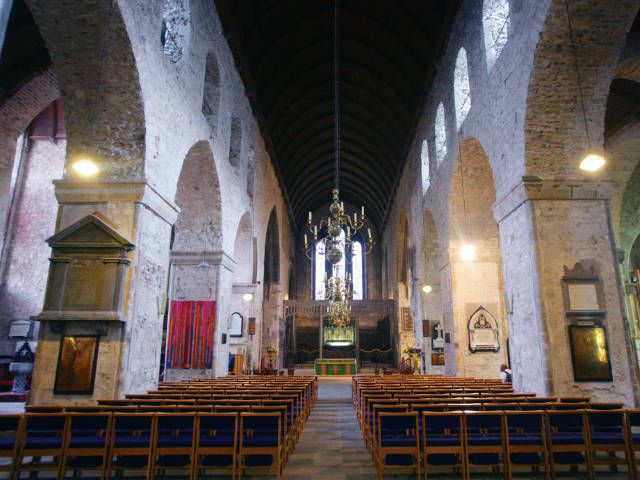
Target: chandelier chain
point(336, 94)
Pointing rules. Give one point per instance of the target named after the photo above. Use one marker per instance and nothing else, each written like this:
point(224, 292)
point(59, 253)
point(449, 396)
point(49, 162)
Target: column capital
point(532, 188)
point(69, 191)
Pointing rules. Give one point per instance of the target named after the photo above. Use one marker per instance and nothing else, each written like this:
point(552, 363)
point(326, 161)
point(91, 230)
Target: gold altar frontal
point(336, 366)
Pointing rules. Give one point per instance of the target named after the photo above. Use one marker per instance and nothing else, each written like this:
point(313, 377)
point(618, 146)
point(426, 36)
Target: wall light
point(468, 252)
point(85, 167)
point(427, 289)
point(247, 297)
point(592, 162)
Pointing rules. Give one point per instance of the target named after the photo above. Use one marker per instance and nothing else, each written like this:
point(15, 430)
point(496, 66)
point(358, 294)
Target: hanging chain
point(336, 92)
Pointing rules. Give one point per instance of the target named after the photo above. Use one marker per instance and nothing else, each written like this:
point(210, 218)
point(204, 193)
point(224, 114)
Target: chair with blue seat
point(10, 440)
point(173, 442)
point(131, 443)
point(526, 437)
point(608, 434)
point(216, 443)
point(285, 439)
point(633, 439)
point(568, 440)
point(43, 435)
point(260, 442)
point(86, 443)
point(485, 443)
point(443, 441)
point(373, 429)
point(398, 442)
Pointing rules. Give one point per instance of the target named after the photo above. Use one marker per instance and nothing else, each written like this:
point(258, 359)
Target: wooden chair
point(633, 439)
point(568, 440)
point(131, 443)
point(260, 442)
point(10, 441)
point(607, 433)
point(43, 435)
point(485, 443)
point(216, 443)
point(443, 441)
point(173, 442)
point(86, 443)
point(526, 439)
point(398, 442)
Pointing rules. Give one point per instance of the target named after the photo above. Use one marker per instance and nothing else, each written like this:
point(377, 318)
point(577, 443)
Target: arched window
point(176, 28)
point(235, 141)
point(323, 269)
point(495, 26)
point(424, 166)
point(211, 91)
point(441, 134)
point(461, 90)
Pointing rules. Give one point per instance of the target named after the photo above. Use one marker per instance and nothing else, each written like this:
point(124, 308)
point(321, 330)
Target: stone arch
point(430, 276)
point(243, 251)
point(272, 250)
point(440, 134)
point(403, 244)
point(495, 29)
point(424, 166)
point(461, 89)
point(235, 141)
point(176, 28)
point(474, 280)
point(114, 131)
point(555, 137)
point(211, 91)
point(198, 227)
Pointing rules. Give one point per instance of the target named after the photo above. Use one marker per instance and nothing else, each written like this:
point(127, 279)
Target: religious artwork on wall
point(437, 337)
point(236, 323)
point(77, 361)
point(437, 358)
point(190, 334)
point(252, 326)
point(589, 353)
point(483, 332)
point(407, 319)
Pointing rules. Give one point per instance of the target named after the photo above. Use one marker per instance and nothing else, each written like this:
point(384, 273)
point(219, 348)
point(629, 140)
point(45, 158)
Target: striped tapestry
point(190, 335)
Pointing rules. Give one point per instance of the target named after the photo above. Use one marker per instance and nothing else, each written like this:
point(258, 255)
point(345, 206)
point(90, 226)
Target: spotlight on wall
point(468, 252)
point(85, 167)
point(427, 289)
point(247, 297)
point(592, 162)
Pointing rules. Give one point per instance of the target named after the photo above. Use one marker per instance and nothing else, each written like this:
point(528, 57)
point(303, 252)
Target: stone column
point(544, 227)
point(129, 352)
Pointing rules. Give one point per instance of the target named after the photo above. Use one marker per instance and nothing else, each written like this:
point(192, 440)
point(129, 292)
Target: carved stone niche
point(87, 273)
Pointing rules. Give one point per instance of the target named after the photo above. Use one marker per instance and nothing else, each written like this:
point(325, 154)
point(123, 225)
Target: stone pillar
point(129, 352)
point(271, 302)
point(544, 227)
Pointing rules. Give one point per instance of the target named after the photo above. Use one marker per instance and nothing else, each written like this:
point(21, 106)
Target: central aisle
point(331, 444)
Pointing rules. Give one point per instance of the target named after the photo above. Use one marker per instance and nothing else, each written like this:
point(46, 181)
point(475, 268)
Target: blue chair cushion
point(261, 441)
point(174, 441)
point(217, 441)
point(525, 439)
point(43, 442)
point(442, 459)
point(173, 460)
point(567, 438)
point(7, 443)
point(607, 438)
point(258, 460)
point(398, 441)
point(398, 460)
point(85, 462)
point(87, 442)
point(131, 441)
point(484, 458)
point(216, 460)
point(444, 440)
point(484, 440)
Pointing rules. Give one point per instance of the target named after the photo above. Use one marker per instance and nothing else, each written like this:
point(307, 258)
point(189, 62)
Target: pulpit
point(336, 366)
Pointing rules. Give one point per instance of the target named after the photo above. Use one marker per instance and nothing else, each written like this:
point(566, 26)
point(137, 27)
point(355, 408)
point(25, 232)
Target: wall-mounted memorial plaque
point(87, 272)
point(582, 292)
point(236, 323)
point(589, 353)
point(77, 361)
point(483, 332)
point(407, 319)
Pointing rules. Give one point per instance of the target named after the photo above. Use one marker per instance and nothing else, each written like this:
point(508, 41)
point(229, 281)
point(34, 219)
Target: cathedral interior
point(322, 209)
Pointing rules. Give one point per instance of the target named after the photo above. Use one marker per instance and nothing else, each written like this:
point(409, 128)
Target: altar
point(335, 366)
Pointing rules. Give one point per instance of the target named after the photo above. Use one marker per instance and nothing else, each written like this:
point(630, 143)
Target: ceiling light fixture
point(592, 161)
point(427, 289)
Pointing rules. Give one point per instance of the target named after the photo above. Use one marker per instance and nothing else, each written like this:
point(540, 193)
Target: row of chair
point(108, 443)
point(507, 441)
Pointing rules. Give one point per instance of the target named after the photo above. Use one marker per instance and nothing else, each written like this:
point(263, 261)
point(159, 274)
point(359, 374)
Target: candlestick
point(369, 233)
point(363, 210)
point(309, 217)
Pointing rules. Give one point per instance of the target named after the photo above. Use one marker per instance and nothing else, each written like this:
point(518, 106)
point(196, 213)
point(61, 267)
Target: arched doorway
point(195, 271)
point(473, 279)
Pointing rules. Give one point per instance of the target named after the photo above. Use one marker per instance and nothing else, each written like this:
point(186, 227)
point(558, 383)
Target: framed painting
point(77, 360)
point(407, 319)
point(236, 324)
point(437, 358)
point(590, 353)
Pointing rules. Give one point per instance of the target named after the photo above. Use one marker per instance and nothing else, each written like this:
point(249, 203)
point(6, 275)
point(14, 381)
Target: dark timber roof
point(284, 52)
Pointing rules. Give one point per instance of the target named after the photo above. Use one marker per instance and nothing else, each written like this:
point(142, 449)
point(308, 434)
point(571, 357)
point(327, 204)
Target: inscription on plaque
point(84, 284)
point(583, 297)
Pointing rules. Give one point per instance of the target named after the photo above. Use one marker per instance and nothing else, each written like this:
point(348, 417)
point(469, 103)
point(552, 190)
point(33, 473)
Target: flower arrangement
point(271, 349)
point(408, 349)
